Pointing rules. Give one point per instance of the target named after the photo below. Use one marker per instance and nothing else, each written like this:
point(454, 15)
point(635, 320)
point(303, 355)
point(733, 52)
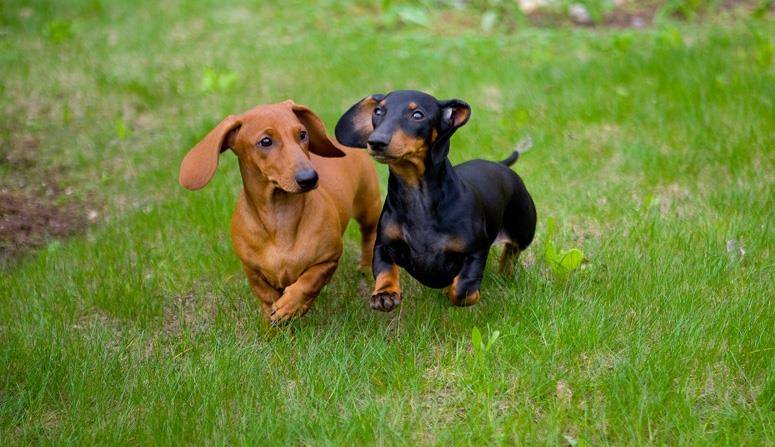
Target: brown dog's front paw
point(385, 301)
point(284, 311)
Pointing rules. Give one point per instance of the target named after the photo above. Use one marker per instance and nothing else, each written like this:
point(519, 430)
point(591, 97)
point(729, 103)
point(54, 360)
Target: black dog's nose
point(307, 179)
point(378, 143)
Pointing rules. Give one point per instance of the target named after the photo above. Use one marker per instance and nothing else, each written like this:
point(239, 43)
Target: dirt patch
point(28, 222)
point(622, 18)
point(34, 206)
point(193, 311)
point(634, 14)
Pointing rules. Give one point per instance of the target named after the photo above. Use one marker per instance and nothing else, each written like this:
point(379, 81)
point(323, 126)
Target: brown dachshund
point(285, 230)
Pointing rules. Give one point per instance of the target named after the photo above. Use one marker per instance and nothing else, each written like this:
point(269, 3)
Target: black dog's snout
point(307, 179)
point(378, 143)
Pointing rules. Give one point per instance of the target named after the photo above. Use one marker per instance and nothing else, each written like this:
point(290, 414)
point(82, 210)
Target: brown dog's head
point(274, 140)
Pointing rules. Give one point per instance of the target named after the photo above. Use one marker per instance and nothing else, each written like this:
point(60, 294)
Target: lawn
point(653, 154)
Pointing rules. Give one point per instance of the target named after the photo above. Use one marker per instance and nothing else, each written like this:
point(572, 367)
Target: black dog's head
point(404, 126)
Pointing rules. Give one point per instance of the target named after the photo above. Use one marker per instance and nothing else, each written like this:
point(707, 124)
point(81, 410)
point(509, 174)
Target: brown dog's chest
point(282, 251)
point(279, 264)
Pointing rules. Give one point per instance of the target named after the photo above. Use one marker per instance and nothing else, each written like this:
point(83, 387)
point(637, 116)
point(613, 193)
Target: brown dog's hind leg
point(368, 227)
point(366, 210)
point(509, 258)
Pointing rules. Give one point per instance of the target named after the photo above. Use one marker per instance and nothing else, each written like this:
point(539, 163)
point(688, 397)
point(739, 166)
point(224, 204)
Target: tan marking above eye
point(412, 106)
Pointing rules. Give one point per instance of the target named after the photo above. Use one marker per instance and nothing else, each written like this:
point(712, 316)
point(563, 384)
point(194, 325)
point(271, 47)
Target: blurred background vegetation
point(653, 125)
point(58, 59)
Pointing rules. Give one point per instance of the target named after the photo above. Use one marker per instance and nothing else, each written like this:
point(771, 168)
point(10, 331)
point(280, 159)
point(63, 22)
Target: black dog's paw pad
point(385, 301)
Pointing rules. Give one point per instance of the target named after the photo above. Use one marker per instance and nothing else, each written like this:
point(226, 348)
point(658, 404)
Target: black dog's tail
point(523, 146)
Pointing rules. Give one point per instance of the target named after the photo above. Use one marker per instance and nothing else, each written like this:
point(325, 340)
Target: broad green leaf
point(122, 131)
point(476, 339)
point(571, 259)
point(493, 338)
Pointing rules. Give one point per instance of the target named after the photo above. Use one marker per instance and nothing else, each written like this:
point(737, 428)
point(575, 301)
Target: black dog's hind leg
point(464, 290)
point(519, 226)
point(387, 289)
point(509, 258)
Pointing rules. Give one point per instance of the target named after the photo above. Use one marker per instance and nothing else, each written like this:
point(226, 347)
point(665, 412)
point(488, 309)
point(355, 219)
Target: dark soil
point(28, 222)
point(34, 208)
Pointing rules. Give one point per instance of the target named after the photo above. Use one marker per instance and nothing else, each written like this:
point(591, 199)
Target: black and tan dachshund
point(439, 221)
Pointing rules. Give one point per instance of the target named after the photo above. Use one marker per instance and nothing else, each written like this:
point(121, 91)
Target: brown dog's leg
point(508, 258)
point(262, 290)
point(368, 236)
point(298, 297)
point(367, 208)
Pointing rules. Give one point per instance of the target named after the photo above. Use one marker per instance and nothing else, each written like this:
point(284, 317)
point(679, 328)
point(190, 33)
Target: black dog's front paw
point(385, 301)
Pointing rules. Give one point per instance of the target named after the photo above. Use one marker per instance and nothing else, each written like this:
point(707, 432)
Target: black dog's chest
point(433, 258)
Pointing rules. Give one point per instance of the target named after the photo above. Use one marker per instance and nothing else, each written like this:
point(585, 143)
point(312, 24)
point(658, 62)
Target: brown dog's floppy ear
point(354, 127)
point(319, 142)
point(198, 166)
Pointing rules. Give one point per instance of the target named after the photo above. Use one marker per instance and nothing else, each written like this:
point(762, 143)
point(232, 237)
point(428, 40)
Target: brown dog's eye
point(303, 135)
point(379, 111)
point(265, 142)
point(417, 115)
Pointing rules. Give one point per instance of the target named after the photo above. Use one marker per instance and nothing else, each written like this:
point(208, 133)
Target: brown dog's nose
point(307, 179)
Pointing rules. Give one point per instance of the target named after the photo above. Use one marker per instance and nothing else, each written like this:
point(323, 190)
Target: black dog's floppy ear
point(354, 127)
point(454, 113)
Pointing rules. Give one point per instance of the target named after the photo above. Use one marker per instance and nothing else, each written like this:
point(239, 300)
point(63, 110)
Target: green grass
point(652, 150)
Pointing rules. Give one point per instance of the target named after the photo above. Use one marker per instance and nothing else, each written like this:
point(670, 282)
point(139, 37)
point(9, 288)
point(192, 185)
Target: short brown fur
point(289, 241)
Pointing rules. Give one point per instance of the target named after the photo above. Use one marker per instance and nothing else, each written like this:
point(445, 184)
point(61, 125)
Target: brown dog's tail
point(523, 146)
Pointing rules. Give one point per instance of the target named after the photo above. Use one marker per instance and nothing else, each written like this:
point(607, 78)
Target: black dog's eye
point(417, 115)
point(303, 135)
point(265, 142)
point(379, 111)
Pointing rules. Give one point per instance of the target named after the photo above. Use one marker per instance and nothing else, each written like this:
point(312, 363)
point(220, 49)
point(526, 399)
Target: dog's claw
point(385, 301)
point(283, 311)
